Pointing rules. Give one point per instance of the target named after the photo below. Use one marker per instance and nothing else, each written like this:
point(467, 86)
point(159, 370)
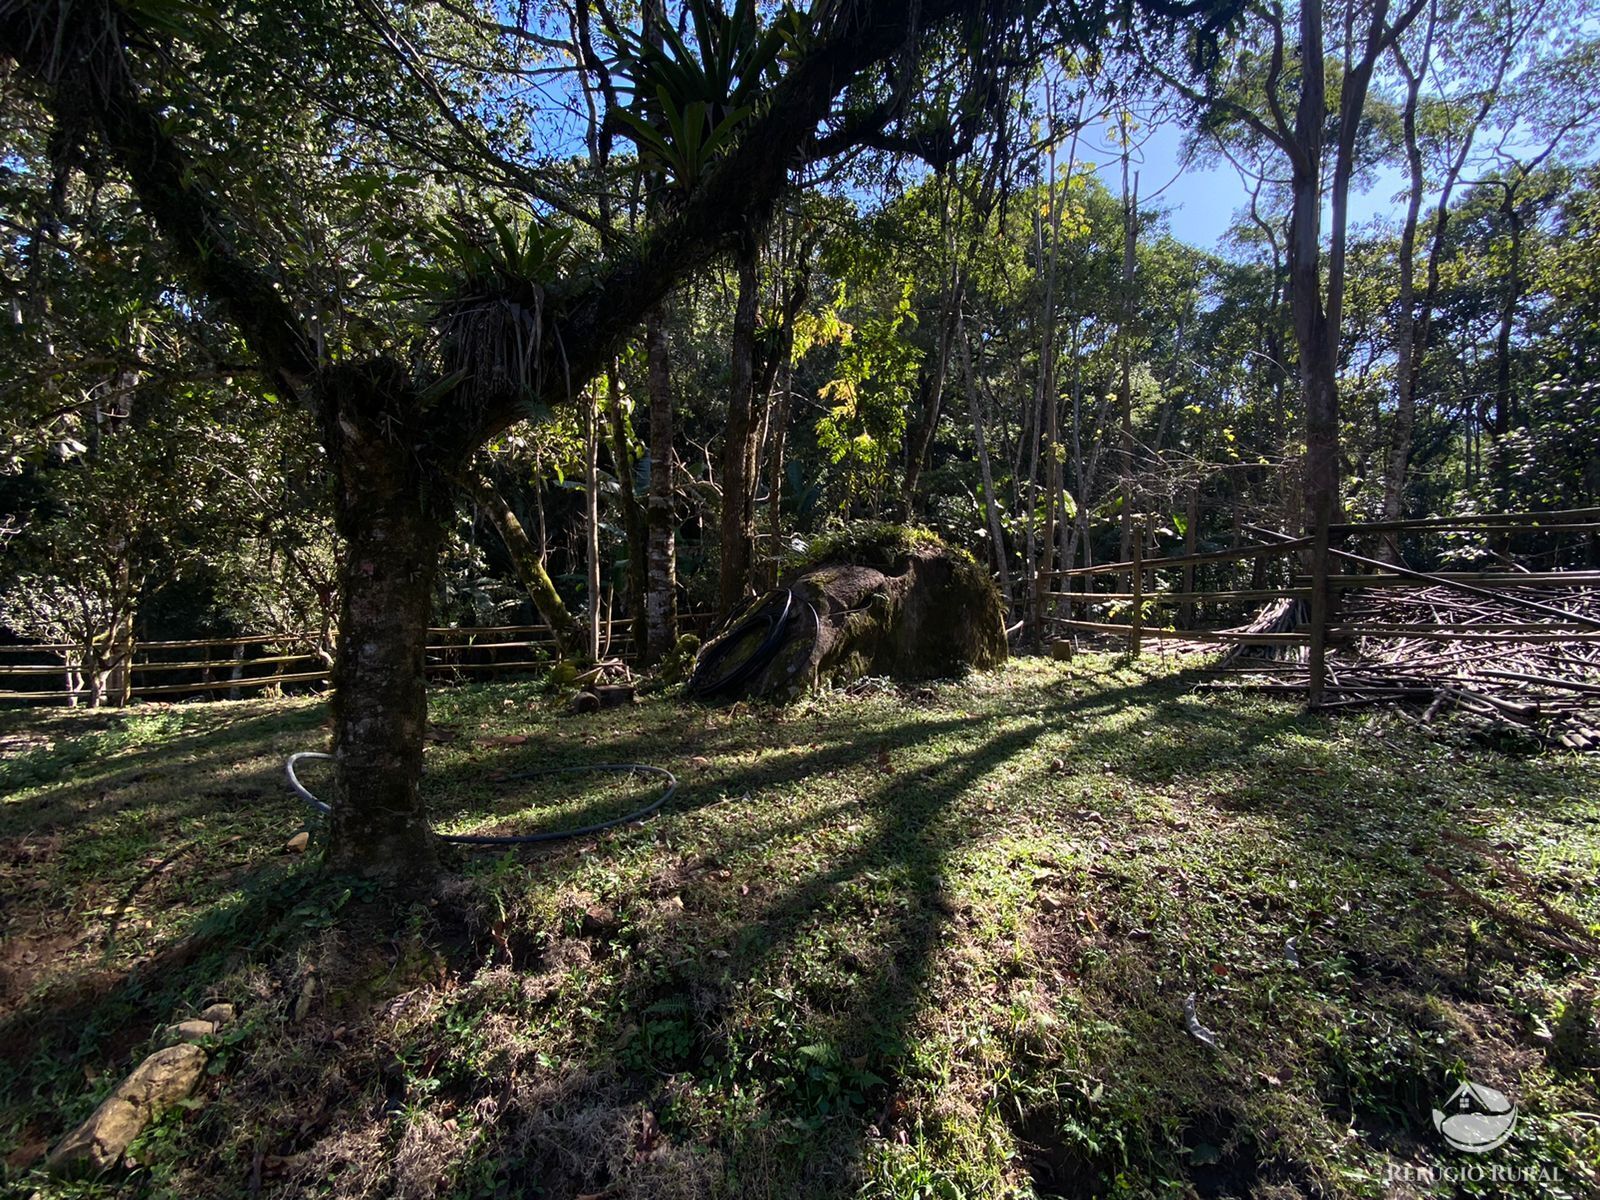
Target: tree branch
point(81, 56)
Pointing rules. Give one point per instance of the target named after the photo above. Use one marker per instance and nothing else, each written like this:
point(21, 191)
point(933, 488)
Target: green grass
point(927, 942)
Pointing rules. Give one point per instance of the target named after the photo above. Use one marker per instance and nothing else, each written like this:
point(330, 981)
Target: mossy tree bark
point(390, 509)
point(525, 561)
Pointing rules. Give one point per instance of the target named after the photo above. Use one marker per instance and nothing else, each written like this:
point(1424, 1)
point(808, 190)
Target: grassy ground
point(922, 942)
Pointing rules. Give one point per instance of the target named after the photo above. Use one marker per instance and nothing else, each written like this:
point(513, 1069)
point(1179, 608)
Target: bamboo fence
point(231, 668)
point(1348, 628)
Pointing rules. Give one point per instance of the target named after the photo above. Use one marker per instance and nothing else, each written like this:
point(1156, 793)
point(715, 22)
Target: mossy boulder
point(877, 600)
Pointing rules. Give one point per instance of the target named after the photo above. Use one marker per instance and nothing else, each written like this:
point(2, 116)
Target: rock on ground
point(156, 1084)
point(880, 601)
point(208, 1023)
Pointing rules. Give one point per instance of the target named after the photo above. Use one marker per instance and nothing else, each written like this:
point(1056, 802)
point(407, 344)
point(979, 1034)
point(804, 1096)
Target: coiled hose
point(472, 839)
point(774, 612)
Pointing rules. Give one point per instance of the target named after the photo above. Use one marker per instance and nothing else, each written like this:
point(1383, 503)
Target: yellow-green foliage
point(679, 661)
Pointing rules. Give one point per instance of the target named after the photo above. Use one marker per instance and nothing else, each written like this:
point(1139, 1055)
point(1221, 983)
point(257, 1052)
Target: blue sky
point(1203, 202)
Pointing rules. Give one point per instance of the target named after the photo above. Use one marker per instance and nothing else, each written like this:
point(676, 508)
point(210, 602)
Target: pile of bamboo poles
point(1478, 655)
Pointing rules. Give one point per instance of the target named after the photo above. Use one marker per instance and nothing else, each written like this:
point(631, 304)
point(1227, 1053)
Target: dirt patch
point(32, 1145)
point(25, 959)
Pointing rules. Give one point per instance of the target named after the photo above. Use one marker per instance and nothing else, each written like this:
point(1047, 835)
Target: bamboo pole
point(1187, 635)
point(1462, 635)
point(1471, 589)
point(1453, 583)
point(1569, 520)
point(1210, 556)
point(1492, 580)
point(168, 689)
point(1300, 593)
point(475, 630)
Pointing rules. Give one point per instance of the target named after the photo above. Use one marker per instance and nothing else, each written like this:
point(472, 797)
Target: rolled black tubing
point(760, 657)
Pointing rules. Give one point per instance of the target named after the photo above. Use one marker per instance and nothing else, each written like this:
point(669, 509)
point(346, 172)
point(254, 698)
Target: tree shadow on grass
point(71, 779)
point(92, 867)
point(133, 869)
point(798, 994)
point(747, 1018)
point(1287, 833)
point(801, 998)
point(72, 1040)
point(814, 1051)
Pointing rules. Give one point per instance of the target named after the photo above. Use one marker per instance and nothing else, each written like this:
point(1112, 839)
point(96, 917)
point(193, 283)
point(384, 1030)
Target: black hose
point(816, 635)
point(470, 839)
point(700, 685)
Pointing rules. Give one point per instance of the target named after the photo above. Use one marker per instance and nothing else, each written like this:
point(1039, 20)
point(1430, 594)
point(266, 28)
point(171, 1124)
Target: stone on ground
point(156, 1084)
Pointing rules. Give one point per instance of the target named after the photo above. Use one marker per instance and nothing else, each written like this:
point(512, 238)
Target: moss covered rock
point(878, 600)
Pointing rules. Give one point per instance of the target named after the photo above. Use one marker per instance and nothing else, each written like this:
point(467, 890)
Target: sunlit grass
point(920, 942)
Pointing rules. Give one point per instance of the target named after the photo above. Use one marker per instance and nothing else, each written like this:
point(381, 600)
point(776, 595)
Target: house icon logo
point(1476, 1119)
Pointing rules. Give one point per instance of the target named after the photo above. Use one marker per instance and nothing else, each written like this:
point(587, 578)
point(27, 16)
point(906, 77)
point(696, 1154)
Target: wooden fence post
point(1136, 627)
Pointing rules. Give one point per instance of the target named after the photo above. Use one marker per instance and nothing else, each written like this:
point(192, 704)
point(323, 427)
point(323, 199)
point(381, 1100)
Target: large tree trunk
point(388, 510)
point(661, 600)
point(738, 447)
point(1315, 326)
point(1317, 306)
point(1320, 394)
point(1316, 335)
point(525, 562)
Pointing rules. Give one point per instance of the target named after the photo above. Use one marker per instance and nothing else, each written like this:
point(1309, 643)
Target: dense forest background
point(982, 324)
